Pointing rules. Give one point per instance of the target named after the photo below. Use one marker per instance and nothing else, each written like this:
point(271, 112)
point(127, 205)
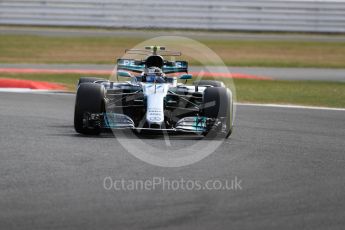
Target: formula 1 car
point(152, 99)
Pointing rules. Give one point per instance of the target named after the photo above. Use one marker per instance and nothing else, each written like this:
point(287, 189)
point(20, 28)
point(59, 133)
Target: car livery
point(152, 99)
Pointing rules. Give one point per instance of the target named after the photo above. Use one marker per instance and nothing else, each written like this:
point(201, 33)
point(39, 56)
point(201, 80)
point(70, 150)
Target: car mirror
point(186, 77)
point(121, 73)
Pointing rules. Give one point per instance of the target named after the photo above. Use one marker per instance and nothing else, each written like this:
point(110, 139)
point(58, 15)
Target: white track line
point(291, 106)
point(35, 91)
point(21, 90)
point(24, 90)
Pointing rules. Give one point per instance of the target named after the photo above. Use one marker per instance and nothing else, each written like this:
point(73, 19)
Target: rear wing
point(153, 50)
point(139, 66)
point(130, 65)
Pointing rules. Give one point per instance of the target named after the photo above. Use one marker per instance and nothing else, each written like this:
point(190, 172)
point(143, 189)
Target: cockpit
point(154, 75)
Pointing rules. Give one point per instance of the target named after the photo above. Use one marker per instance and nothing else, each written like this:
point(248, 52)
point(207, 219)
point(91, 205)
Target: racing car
point(153, 96)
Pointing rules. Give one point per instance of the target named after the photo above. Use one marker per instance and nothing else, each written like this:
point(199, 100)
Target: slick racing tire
point(89, 99)
point(209, 83)
point(88, 80)
point(218, 104)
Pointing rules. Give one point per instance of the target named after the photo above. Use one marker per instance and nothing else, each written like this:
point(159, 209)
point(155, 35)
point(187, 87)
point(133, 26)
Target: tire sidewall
point(89, 98)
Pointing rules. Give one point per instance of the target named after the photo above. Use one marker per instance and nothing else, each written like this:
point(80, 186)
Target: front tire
point(88, 80)
point(89, 99)
point(218, 104)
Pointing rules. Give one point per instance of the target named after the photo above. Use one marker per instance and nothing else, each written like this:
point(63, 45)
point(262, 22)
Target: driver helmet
point(152, 73)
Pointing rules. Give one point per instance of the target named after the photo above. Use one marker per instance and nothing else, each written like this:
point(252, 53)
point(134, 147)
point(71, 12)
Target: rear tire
point(89, 99)
point(218, 104)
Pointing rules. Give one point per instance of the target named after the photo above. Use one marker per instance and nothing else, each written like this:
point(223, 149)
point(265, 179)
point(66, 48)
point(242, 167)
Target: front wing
point(195, 124)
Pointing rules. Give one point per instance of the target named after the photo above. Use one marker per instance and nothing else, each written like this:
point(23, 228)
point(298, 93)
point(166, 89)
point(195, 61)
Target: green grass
point(314, 93)
point(68, 80)
point(104, 50)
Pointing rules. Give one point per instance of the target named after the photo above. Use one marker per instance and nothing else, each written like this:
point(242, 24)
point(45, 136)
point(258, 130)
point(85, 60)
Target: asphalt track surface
point(312, 74)
point(290, 162)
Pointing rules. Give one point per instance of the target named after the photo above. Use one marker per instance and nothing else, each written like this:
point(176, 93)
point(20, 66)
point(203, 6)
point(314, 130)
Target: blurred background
point(262, 15)
point(297, 46)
